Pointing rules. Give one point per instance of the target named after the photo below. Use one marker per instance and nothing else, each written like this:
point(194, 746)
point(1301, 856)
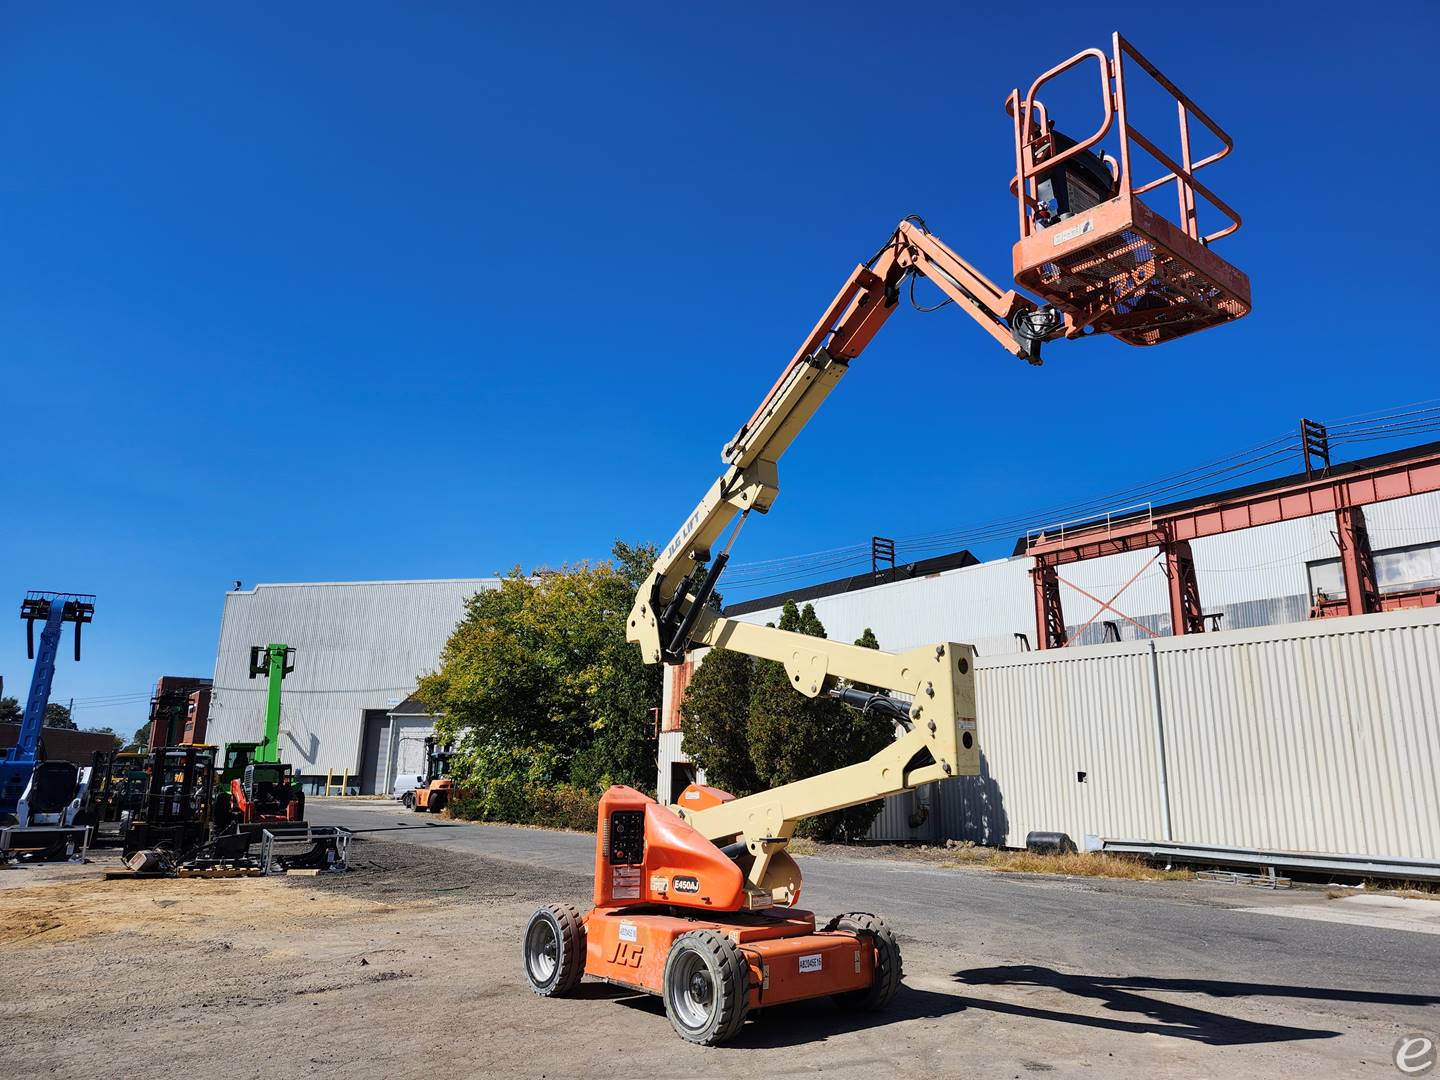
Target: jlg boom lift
point(696, 902)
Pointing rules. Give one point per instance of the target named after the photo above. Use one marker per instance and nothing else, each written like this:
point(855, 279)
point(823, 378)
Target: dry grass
point(1074, 864)
point(1410, 890)
point(999, 859)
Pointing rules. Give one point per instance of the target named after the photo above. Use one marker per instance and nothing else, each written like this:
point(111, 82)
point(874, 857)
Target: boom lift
point(695, 902)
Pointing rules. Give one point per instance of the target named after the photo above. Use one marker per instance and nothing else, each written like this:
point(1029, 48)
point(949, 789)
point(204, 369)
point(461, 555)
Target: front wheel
point(888, 969)
point(554, 950)
point(706, 987)
point(437, 803)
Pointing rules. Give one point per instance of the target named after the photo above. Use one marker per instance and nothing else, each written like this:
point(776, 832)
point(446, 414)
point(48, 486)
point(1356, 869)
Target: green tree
point(539, 685)
point(141, 739)
point(715, 717)
point(58, 716)
point(10, 711)
point(119, 742)
point(792, 736)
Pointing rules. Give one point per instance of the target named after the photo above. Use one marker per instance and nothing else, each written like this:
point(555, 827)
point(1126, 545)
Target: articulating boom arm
point(673, 613)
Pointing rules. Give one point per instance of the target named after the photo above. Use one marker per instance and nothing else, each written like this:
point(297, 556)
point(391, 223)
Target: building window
point(1400, 569)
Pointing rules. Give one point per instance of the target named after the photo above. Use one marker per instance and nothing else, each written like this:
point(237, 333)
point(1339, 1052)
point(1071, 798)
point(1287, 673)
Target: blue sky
point(336, 292)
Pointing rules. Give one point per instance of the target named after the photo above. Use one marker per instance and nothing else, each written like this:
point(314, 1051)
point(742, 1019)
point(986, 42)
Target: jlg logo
point(627, 955)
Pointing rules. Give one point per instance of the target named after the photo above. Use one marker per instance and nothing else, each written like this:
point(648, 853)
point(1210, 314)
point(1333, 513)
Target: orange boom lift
point(697, 902)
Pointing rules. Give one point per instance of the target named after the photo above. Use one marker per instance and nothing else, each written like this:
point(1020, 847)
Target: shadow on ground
point(1121, 994)
point(803, 1021)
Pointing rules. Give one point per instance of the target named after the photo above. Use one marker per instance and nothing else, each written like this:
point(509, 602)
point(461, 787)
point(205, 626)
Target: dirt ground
point(409, 967)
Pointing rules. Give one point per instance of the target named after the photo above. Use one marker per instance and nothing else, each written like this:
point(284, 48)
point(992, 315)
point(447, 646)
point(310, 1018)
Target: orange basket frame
point(1121, 267)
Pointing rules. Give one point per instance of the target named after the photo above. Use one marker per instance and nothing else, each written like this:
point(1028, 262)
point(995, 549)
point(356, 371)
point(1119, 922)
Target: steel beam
point(1186, 617)
point(1362, 594)
point(1049, 610)
point(1414, 474)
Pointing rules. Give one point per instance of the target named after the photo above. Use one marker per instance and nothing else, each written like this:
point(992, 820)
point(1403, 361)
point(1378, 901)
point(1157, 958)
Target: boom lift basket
point(1088, 242)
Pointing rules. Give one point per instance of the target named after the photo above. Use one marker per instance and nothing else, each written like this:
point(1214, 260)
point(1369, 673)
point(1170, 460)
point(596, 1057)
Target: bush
point(557, 806)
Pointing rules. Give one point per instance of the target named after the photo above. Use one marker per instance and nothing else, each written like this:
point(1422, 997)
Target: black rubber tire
point(436, 805)
point(888, 967)
point(729, 983)
point(566, 930)
point(408, 800)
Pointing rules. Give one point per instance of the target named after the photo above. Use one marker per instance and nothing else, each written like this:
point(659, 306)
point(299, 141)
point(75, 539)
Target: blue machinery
point(52, 610)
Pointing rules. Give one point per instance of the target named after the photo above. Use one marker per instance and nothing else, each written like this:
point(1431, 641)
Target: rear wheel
point(888, 969)
point(408, 800)
point(706, 987)
point(554, 950)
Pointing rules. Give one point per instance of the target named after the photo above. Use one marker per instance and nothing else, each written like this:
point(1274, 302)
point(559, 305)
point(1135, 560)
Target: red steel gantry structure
point(1343, 490)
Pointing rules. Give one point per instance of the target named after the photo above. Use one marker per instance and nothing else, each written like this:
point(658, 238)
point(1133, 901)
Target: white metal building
point(360, 647)
point(1258, 578)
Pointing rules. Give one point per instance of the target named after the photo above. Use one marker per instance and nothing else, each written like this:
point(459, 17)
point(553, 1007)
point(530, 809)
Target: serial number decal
point(692, 795)
point(810, 963)
point(625, 882)
point(629, 931)
point(1066, 235)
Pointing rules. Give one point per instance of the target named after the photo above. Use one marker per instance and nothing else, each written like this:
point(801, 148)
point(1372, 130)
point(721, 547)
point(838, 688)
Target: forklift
point(436, 788)
point(697, 903)
point(178, 806)
point(116, 793)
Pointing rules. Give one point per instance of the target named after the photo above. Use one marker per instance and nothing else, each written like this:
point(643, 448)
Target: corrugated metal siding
point(1046, 718)
point(1320, 736)
point(669, 753)
point(1325, 738)
point(1315, 736)
point(358, 646)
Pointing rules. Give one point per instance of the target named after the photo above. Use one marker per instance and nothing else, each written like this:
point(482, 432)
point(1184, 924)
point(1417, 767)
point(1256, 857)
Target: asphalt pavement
point(1213, 963)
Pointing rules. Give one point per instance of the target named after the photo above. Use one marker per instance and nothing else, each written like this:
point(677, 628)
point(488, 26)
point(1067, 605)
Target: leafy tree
point(715, 716)
point(792, 737)
point(58, 716)
point(141, 739)
point(539, 685)
point(10, 711)
point(119, 742)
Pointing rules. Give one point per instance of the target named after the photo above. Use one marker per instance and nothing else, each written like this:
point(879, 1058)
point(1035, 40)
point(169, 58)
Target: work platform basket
point(1089, 243)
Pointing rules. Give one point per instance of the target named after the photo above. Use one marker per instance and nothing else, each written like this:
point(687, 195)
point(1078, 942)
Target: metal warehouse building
point(1269, 728)
point(359, 648)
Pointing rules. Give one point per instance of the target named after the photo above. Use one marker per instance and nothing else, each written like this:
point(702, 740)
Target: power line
point(1394, 422)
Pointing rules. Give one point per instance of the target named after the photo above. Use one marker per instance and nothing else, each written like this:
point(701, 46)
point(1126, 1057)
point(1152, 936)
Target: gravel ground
point(408, 966)
point(388, 871)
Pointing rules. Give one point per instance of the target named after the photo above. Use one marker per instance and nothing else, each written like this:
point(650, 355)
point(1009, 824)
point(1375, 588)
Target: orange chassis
point(673, 916)
point(788, 959)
